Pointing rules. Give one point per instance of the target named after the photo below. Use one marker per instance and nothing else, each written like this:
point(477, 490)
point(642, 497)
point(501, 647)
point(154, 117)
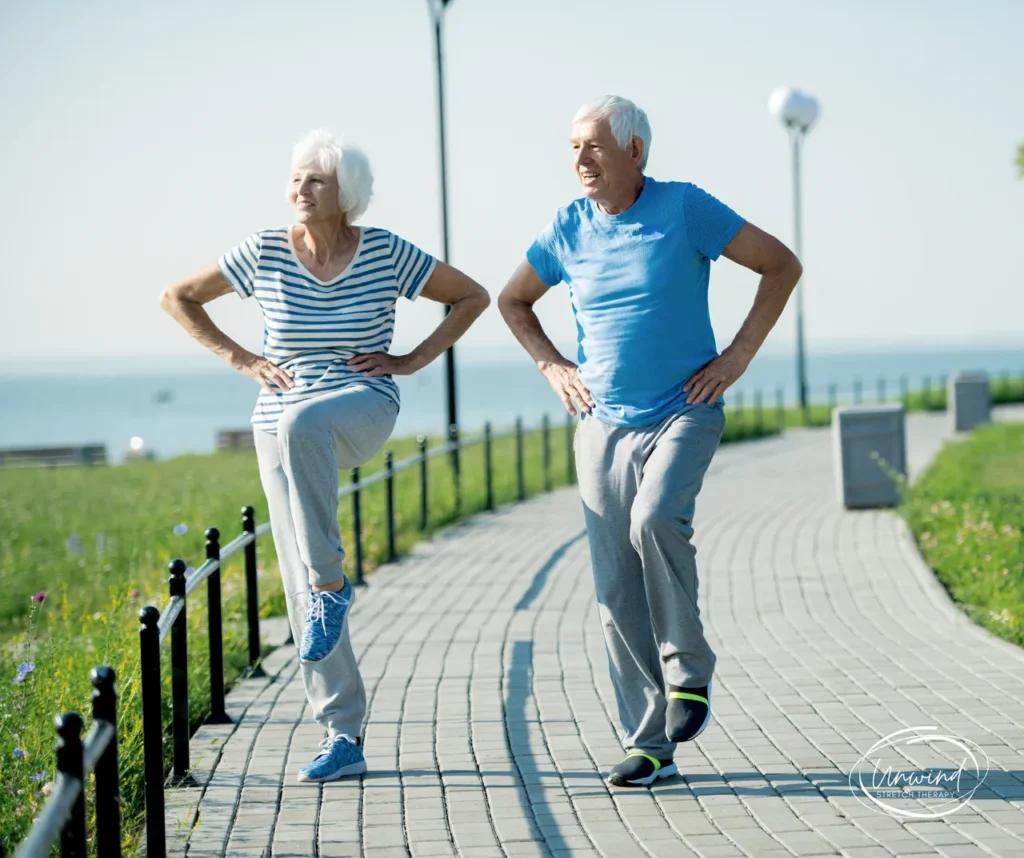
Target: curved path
point(492, 716)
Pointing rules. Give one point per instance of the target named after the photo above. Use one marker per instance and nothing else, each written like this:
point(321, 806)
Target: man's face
point(602, 165)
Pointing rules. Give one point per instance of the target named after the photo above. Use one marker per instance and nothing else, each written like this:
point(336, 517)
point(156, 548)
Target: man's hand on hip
point(564, 379)
point(714, 378)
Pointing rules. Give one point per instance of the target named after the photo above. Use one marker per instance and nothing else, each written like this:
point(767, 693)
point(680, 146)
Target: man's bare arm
point(515, 303)
point(780, 271)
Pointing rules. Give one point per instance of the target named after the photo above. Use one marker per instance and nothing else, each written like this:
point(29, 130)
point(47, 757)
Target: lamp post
point(797, 111)
point(437, 8)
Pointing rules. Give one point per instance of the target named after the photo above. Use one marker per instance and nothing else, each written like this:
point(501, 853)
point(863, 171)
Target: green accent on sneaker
point(685, 695)
point(657, 763)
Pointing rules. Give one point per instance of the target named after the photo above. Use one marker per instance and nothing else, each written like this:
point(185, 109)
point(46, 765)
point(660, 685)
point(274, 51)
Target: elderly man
point(636, 254)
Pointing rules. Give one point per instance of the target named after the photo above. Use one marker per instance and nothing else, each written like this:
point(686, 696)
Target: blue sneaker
point(338, 757)
point(325, 619)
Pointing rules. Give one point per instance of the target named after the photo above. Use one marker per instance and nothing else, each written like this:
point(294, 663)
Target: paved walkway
point(492, 717)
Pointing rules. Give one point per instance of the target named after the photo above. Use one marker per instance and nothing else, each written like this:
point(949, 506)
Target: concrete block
point(859, 433)
point(968, 400)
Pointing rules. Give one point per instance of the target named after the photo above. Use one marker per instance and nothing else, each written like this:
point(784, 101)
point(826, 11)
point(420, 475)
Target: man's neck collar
point(625, 202)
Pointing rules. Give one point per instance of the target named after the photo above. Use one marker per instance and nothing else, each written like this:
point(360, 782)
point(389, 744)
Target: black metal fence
point(63, 816)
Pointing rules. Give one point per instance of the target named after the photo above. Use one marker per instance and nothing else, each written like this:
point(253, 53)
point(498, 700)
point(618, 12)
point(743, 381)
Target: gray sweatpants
point(299, 471)
point(639, 489)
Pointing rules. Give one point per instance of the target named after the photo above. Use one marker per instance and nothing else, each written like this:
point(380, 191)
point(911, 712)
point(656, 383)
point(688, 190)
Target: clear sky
point(141, 140)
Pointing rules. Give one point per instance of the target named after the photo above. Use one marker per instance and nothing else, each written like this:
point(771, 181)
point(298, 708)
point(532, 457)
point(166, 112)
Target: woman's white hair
point(625, 118)
point(349, 164)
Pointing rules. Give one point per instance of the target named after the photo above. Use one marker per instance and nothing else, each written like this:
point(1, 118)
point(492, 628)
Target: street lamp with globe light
point(797, 111)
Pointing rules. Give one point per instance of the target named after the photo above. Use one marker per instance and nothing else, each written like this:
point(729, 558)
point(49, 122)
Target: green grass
point(98, 542)
point(966, 513)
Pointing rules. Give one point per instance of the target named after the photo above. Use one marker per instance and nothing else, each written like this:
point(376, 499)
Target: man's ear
point(636, 148)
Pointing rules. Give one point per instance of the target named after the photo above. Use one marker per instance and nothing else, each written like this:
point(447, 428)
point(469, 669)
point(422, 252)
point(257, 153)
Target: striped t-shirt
point(312, 327)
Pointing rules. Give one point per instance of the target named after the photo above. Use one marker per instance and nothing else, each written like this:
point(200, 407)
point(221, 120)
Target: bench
point(235, 439)
point(53, 457)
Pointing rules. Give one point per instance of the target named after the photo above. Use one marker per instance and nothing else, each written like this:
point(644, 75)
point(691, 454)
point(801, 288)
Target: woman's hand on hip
point(267, 373)
point(374, 364)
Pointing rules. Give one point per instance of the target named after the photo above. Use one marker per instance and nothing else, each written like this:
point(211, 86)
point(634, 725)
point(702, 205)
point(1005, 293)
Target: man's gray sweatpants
point(639, 488)
point(299, 471)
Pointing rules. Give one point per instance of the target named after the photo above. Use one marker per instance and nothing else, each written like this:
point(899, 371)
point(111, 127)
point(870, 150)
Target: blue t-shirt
point(638, 282)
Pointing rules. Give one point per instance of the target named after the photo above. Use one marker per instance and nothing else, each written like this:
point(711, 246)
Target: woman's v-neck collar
point(332, 282)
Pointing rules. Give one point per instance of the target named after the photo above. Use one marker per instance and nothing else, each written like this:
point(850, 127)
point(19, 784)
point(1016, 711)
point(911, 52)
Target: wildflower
point(39, 776)
point(180, 529)
point(20, 754)
point(189, 571)
point(73, 544)
point(101, 543)
point(24, 669)
point(135, 593)
point(47, 788)
point(39, 597)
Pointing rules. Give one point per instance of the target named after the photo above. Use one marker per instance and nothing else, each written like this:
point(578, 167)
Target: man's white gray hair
point(349, 164)
point(625, 118)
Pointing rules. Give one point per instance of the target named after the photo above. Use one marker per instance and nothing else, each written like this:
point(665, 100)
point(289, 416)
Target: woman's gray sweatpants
point(639, 488)
point(299, 470)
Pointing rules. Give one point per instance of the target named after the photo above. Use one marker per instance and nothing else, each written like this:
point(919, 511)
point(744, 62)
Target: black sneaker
point(639, 769)
point(688, 712)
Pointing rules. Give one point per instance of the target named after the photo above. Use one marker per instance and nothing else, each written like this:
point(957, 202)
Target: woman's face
point(313, 194)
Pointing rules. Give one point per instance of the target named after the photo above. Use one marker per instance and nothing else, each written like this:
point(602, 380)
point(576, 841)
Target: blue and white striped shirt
point(314, 328)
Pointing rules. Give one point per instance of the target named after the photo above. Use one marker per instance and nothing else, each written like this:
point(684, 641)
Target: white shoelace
point(318, 611)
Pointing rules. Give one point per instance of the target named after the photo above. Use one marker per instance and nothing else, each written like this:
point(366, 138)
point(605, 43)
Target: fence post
point(179, 674)
point(453, 438)
point(758, 412)
point(570, 457)
point(488, 472)
point(780, 409)
point(520, 477)
point(546, 437)
point(71, 764)
point(421, 442)
point(252, 597)
point(389, 467)
point(152, 731)
point(357, 528)
point(108, 790)
point(215, 619)
point(881, 390)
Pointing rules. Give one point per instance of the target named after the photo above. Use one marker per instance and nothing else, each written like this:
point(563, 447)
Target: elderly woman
point(328, 290)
